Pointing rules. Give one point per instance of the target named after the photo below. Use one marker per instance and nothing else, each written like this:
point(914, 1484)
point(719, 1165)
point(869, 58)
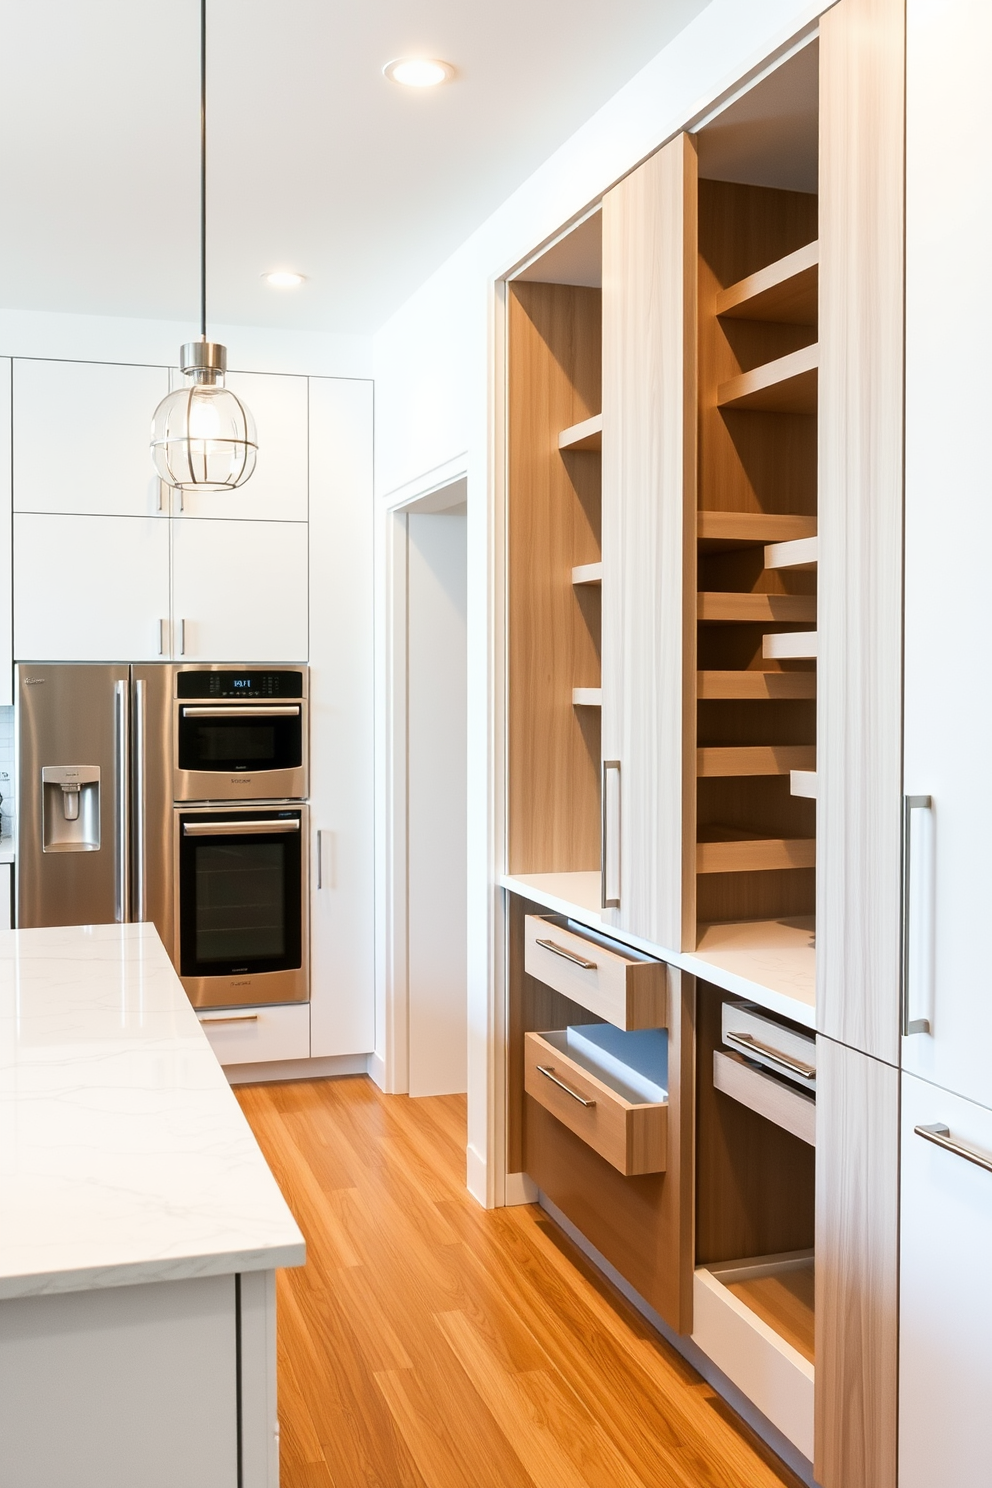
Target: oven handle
point(239, 712)
point(235, 828)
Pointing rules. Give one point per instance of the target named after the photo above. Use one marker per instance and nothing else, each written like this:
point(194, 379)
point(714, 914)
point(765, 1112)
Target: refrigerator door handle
point(139, 800)
point(122, 897)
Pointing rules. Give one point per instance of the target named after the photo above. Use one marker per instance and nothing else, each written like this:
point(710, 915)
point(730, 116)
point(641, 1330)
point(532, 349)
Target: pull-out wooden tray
point(621, 985)
point(630, 1134)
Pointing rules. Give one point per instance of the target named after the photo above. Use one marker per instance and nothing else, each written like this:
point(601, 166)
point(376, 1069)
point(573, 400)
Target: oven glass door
point(236, 740)
point(240, 892)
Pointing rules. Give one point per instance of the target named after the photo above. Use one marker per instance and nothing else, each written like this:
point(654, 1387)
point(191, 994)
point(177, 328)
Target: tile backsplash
point(7, 771)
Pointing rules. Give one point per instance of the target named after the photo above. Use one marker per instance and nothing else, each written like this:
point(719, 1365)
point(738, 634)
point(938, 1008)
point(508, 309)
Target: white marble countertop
point(124, 1156)
point(7, 850)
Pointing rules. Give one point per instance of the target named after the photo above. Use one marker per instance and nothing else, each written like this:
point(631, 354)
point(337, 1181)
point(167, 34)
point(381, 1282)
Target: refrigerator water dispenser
point(70, 808)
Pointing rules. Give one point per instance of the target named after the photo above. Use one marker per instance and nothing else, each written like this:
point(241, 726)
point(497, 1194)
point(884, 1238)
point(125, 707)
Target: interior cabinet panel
point(649, 598)
point(859, 743)
point(857, 1258)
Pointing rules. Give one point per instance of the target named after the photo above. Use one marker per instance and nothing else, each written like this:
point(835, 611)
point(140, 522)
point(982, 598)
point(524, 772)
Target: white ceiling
point(317, 163)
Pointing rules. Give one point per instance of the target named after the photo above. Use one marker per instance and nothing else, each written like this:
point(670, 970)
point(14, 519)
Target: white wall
point(435, 400)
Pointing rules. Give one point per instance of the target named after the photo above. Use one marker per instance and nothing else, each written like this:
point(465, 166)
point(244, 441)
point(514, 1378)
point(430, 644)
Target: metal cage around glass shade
point(203, 437)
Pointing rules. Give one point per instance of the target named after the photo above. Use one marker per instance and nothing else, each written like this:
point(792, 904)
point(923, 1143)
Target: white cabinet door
point(342, 814)
point(6, 559)
point(948, 703)
point(90, 588)
point(81, 438)
point(277, 491)
point(239, 590)
point(945, 1323)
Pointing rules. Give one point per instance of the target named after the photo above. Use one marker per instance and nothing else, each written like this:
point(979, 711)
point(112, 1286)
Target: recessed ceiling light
point(284, 279)
point(418, 72)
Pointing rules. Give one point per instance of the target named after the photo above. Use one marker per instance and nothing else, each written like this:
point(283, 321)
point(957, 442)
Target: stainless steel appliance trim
point(909, 805)
point(140, 828)
point(206, 667)
point(242, 710)
point(122, 906)
point(542, 1069)
point(940, 1135)
point(243, 828)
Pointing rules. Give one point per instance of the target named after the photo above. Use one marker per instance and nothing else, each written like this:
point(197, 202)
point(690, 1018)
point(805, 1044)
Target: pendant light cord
point(203, 169)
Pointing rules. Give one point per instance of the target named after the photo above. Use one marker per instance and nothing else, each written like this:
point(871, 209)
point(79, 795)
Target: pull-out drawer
point(789, 1052)
point(627, 988)
point(771, 1097)
point(256, 1035)
point(620, 1111)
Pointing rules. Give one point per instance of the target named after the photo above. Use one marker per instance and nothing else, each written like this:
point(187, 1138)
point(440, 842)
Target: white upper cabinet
point(81, 434)
point(6, 654)
point(277, 489)
point(948, 717)
point(90, 588)
point(239, 591)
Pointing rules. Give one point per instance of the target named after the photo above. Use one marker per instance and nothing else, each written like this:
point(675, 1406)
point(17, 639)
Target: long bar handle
point(233, 1018)
point(182, 637)
point(940, 1136)
point(549, 1074)
point(909, 805)
point(747, 1041)
point(236, 828)
point(608, 898)
point(550, 945)
point(235, 711)
point(122, 905)
point(320, 858)
point(139, 800)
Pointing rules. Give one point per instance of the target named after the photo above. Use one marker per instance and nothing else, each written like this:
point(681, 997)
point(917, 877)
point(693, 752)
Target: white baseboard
point(520, 1189)
point(476, 1175)
point(297, 1069)
point(377, 1070)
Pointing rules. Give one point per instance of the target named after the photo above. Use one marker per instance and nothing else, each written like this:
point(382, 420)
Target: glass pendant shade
point(203, 436)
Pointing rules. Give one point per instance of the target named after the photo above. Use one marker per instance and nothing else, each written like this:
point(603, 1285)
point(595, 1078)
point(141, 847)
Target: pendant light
point(203, 436)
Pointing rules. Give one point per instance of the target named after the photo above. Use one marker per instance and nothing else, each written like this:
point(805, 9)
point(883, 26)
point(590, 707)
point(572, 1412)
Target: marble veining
point(124, 1156)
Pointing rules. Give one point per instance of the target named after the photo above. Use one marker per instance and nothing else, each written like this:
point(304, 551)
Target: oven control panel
point(254, 682)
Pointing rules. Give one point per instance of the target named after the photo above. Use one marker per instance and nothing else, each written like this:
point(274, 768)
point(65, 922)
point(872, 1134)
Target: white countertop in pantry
point(6, 850)
point(124, 1156)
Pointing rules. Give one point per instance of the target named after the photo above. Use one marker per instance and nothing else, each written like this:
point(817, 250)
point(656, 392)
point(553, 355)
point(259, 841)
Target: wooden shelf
point(587, 697)
point(585, 436)
point(731, 529)
point(785, 291)
point(803, 783)
point(796, 645)
point(745, 685)
point(731, 605)
point(729, 850)
point(587, 573)
point(800, 553)
point(787, 385)
point(756, 759)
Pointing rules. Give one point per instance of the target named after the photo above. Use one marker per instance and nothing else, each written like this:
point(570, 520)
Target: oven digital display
point(231, 684)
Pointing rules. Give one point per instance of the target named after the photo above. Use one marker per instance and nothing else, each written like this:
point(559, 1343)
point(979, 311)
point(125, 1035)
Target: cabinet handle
point(549, 945)
point(233, 1018)
point(122, 908)
point(320, 859)
point(548, 1074)
point(610, 870)
point(746, 1041)
point(163, 626)
point(909, 805)
point(182, 638)
point(940, 1136)
point(139, 793)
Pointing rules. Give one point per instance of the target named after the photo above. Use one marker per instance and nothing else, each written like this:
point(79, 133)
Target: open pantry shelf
point(729, 605)
point(798, 645)
point(799, 554)
point(751, 685)
point(756, 957)
point(587, 435)
point(737, 529)
point(786, 385)
point(755, 759)
point(722, 849)
point(784, 292)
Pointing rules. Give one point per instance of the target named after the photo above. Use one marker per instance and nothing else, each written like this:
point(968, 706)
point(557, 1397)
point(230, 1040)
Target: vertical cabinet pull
point(162, 636)
point(909, 805)
point(320, 859)
point(610, 871)
point(139, 800)
point(122, 907)
point(182, 638)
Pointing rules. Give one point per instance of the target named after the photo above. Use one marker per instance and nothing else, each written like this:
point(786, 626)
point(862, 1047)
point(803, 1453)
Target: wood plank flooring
point(428, 1343)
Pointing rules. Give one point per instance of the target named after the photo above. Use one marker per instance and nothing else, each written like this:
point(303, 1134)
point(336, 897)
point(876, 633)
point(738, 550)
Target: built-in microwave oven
point(242, 912)
point(240, 733)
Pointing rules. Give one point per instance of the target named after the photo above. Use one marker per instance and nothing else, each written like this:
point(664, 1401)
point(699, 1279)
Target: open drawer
point(770, 1066)
point(615, 982)
point(609, 1088)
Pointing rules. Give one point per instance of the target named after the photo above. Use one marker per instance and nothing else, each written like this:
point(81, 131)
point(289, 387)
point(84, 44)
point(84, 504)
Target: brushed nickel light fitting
point(203, 436)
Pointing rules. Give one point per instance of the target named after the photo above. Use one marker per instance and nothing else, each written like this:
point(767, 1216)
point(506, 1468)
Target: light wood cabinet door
point(649, 599)
point(945, 1299)
point(239, 590)
point(81, 433)
point(948, 541)
point(90, 588)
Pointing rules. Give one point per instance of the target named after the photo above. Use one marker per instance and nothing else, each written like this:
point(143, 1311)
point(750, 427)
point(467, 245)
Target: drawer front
point(791, 1109)
point(747, 1031)
point(627, 992)
point(259, 1034)
point(632, 1138)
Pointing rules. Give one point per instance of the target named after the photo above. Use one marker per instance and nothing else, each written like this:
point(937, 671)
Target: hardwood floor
point(428, 1343)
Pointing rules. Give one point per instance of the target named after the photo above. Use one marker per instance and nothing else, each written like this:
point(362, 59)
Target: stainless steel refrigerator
point(94, 816)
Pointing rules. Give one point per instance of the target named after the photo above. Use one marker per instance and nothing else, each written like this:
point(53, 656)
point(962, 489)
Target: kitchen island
point(140, 1229)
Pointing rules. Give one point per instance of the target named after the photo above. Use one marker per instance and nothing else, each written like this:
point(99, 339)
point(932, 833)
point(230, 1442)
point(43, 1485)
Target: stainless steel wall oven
point(240, 734)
